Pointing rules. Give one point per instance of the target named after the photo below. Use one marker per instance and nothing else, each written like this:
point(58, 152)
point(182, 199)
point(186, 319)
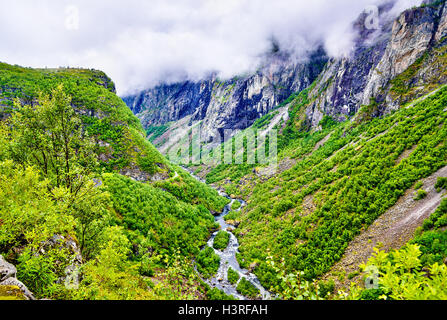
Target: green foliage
point(154, 132)
point(164, 221)
point(221, 240)
point(49, 135)
point(438, 219)
point(236, 205)
point(418, 185)
point(264, 121)
point(29, 213)
point(247, 289)
point(232, 276)
point(187, 189)
point(51, 184)
point(92, 93)
point(208, 262)
point(40, 273)
point(216, 295)
point(293, 286)
point(327, 122)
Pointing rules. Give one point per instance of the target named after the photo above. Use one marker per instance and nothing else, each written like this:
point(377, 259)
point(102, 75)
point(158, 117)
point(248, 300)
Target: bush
point(236, 205)
point(233, 276)
point(441, 184)
point(216, 294)
point(208, 262)
point(420, 194)
point(247, 289)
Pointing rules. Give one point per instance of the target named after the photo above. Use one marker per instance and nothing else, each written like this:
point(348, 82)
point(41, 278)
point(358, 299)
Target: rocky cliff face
point(409, 47)
point(231, 104)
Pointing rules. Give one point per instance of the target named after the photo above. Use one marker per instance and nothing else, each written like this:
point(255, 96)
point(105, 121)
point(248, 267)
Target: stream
point(228, 256)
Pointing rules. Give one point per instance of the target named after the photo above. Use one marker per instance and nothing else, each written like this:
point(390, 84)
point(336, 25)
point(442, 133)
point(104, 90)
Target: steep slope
point(309, 213)
point(230, 104)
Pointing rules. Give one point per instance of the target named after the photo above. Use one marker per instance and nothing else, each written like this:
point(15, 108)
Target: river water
point(228, 256)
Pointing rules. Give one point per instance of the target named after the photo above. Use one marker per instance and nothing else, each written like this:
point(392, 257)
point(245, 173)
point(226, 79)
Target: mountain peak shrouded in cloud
point(142, 43)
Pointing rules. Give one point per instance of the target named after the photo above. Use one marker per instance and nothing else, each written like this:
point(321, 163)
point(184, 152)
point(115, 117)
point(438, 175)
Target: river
point(228, 256)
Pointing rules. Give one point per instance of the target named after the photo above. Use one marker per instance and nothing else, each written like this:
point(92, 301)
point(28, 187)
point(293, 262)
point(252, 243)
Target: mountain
point(356, 207)
point(369, 76)
point(406, 57)
point(361, 158)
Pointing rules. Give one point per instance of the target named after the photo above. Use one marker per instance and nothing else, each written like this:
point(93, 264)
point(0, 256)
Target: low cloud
point(142, 43)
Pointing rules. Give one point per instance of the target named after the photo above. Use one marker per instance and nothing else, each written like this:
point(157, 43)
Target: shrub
point(441, 184)
point(420, 194)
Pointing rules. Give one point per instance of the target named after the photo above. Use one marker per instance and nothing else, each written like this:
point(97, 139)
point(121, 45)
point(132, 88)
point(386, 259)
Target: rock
point(20, 285)
point(445, 261)
point(7, 270)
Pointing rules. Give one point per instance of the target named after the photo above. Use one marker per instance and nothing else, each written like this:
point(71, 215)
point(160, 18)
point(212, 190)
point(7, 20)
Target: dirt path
point(391, 230)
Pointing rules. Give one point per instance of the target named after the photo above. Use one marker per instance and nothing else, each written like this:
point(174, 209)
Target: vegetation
point(208, 262)
point(154, 132)
point(441, 184)
point(351, 179)
point(65, 209)
point(247, 289)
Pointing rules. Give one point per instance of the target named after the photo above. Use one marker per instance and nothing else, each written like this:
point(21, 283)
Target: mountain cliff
point(412, 46)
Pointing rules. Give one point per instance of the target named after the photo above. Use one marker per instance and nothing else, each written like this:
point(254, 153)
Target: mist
point(140, 44)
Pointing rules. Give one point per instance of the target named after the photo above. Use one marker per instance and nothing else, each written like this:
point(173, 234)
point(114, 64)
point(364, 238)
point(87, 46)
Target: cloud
point(141, 43)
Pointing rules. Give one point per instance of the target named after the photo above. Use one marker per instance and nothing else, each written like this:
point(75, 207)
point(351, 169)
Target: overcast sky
point(140, 43)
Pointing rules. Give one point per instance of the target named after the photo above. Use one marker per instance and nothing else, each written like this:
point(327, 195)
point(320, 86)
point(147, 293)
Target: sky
point(141, 43)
